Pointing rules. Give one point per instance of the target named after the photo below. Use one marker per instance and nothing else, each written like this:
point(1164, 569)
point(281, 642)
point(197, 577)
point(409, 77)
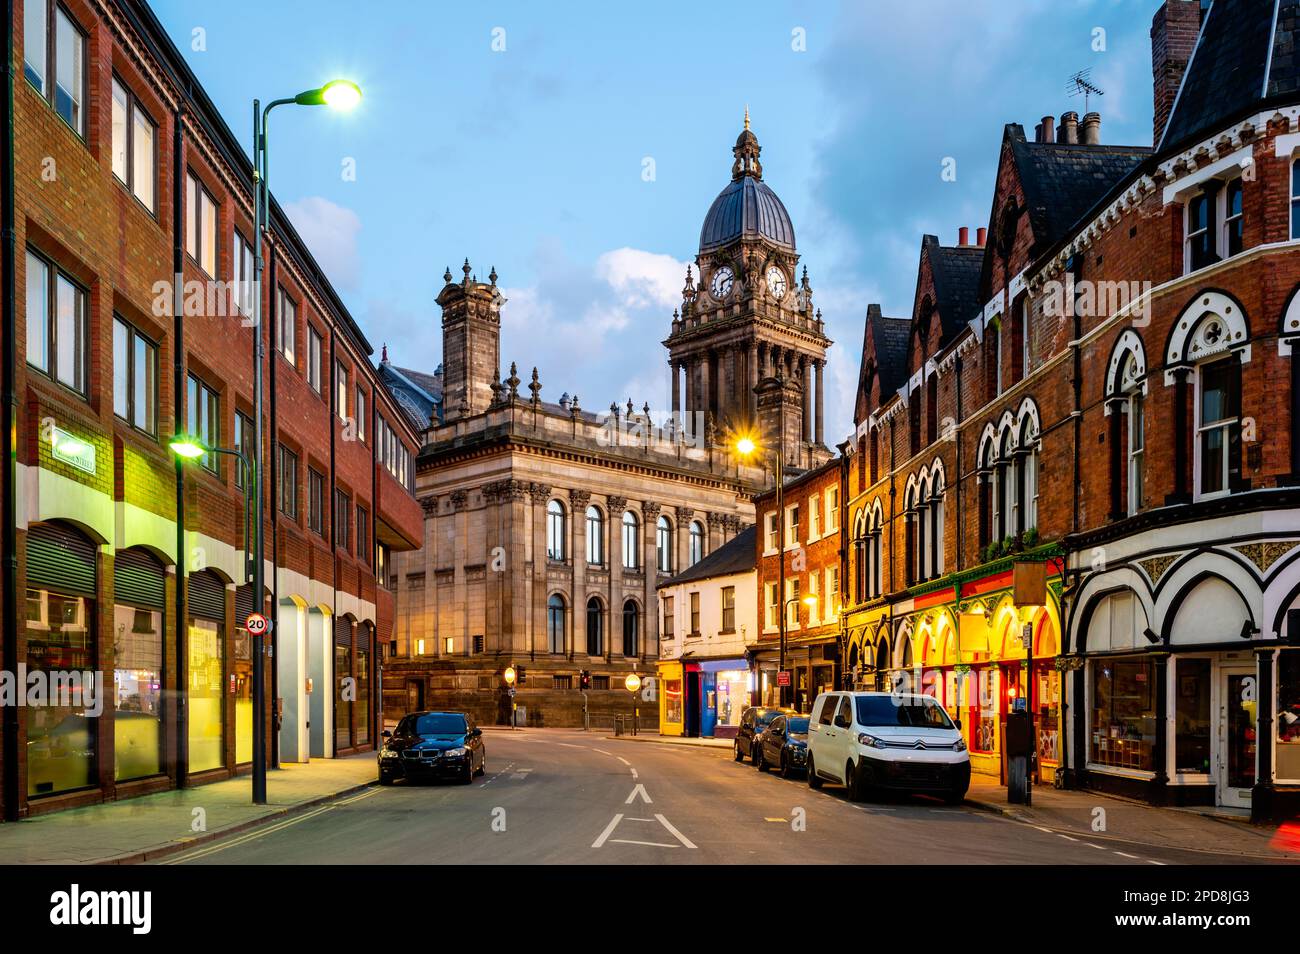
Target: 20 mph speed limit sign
point(257, 624)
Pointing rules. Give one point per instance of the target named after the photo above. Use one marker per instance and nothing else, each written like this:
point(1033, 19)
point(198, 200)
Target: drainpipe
point(275, 519)
point(8, 434)
point(178, 403)
point(961, 524)
point(377, 656)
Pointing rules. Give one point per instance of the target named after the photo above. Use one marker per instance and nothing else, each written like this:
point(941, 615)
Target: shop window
point(242, 676)
point(206, 699)
point(1123, 717)
point(673, 701)
point(342, 708)
point(1192, 723)
point(140, 589)
point(363, 685)
point(1288, 715)
point(61, 734)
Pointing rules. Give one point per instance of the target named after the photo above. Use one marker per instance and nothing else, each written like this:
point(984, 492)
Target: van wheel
point(814, 780)
point(852, 783)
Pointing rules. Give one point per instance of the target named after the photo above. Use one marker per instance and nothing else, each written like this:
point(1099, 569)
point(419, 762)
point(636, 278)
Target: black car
point(428, 745)
point(753, 721)
point(783, 745)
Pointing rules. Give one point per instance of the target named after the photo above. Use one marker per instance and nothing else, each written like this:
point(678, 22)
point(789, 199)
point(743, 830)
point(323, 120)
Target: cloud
point(330, 231)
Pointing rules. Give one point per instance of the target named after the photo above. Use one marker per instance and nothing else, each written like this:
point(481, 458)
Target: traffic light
point(523, 674)
point(584, 680)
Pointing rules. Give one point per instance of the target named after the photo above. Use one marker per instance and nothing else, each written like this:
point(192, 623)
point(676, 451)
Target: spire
point(746, 152)
point(384, 358)
point(747, 115)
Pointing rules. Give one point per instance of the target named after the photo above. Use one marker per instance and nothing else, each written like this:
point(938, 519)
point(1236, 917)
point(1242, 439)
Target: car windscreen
point(440, 723)
point(798, 726)
point(909, 712)
point(765, 716)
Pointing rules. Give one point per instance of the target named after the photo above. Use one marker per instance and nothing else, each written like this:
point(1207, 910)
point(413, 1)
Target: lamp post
point(337, 94)
point(633, 684)
point(510, 677)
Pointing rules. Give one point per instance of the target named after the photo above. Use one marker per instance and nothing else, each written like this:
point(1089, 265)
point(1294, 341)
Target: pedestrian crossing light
point(584, 679)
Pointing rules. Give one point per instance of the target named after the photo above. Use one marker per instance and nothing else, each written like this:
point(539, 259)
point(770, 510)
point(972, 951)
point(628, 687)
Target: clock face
point(723, 279)
point(776, 282)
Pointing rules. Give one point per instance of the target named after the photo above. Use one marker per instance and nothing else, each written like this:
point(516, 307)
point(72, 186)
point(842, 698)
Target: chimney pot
point(1069, 129)
point(1092, 129)
point(1049, 129)
point(963, 235)
point(981, 236)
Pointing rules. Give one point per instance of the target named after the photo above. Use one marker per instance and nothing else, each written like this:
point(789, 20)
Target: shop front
point(672, 716)
point(724, 696)
point(205, 647)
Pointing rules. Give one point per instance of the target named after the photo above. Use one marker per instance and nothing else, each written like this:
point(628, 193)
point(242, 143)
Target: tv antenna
point(1081, 84)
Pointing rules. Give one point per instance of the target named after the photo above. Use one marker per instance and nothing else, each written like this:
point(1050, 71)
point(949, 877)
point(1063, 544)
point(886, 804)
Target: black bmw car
point(429, 745)
point(783, 745)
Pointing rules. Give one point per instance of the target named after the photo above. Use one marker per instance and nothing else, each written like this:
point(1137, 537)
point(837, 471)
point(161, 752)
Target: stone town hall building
point(548, 526)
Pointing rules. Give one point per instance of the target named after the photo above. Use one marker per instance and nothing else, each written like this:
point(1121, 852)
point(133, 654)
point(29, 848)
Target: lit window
point(134, 158)
point(56, 320)
point(201, 225)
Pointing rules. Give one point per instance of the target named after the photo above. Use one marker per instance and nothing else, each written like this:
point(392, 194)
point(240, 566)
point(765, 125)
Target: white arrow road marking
point(640, 789)
point(609, 830)
point(634, 775)
point(675, 833)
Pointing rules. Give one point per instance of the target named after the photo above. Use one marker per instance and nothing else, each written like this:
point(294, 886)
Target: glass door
point(1237, 729)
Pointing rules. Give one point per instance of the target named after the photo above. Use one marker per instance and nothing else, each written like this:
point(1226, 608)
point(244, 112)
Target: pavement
point(558, 796)
point(153, 826)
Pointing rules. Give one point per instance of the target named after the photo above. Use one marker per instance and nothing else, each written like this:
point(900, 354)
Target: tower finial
point(747, 115)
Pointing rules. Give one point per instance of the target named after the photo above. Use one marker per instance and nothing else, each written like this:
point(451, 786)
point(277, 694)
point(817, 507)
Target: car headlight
point(871, 741)
point(456, 752)
point(959, 745)
point(388, 754)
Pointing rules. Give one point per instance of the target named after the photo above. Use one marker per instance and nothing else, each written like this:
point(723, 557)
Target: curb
point(175, 847)
point(658, 741)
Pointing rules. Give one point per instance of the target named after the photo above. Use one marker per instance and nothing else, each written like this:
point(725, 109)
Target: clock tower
point(747, 348)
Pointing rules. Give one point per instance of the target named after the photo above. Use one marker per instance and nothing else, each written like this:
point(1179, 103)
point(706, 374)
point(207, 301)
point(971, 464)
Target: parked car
point(882, 740)
point(428, 745)
point(783, 745)
point(753, 721)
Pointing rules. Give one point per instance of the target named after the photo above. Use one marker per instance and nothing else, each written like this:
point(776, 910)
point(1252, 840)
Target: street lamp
point(633, 684)
point(337, 94)
point(510, 676)
point(746, 446)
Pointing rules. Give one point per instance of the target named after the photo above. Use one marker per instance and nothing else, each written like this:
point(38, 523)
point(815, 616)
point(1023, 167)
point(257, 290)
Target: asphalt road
point(565, 797)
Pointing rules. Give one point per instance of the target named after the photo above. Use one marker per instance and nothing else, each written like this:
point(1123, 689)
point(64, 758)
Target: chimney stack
point(1068, 131)
point(1048, 129)
point(1092, 129)
point(981, 236)
point(1174, 30)
point(963, 235)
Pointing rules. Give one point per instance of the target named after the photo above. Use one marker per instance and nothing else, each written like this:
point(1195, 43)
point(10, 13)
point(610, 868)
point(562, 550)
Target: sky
point(577, 146)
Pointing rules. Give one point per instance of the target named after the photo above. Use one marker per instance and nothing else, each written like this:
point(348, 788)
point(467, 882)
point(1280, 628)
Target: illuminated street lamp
point(633, 684)
point(510, 676)
point(341, 95)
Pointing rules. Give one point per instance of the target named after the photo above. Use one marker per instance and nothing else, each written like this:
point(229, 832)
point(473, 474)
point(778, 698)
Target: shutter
point(139, 579)
point(343, 631)
point(243, 603)
point(207, 596)
point(61, 559)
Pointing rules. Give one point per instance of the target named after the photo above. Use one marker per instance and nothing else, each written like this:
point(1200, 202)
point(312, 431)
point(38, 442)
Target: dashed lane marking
point(602, 752)
point(623, 760)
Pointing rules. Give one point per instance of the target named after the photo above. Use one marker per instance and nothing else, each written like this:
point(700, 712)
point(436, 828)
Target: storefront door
point(1237, 736)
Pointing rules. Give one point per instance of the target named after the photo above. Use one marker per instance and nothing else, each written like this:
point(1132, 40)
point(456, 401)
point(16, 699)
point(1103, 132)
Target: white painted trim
point(1285, 145)
point(1268, 61)
point(1181, 189)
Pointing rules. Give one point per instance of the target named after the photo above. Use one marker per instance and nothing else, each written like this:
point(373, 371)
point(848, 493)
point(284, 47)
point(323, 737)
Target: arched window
point(595, 536)
point(664, 545)
point(555, 526)
point(555, 623)
point(915, 535)
point(860, 565)
point(1029, 472)
point(631, 627)
point(696, 550)
point(1218, 410)
point(993, 353)
point(595, 628)
point(631, 541)
point(882, 664)
point(1005, 505)
point(1135, 410)
point(1295, 199)
point(936, 525)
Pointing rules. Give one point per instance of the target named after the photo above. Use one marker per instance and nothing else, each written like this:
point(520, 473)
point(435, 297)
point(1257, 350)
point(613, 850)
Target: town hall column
point(617, 507)
point(536, 626)
point(821, 376)
point(751, 398)
point(650, 513)
point(578, 501)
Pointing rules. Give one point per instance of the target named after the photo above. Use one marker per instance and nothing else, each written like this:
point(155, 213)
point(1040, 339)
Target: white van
point(879, 740)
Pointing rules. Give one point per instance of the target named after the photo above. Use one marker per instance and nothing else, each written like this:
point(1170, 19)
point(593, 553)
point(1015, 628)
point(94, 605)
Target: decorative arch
point(1191, 339)
point(988, 447)
point(1028, 410)
point(1119, 378)
point(1289, 328)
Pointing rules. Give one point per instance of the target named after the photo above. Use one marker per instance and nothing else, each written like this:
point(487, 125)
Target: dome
point(746, 208)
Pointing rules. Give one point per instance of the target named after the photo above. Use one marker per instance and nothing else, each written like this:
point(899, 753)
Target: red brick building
point(130, 189)
point(1103, 382)
point(799, 564)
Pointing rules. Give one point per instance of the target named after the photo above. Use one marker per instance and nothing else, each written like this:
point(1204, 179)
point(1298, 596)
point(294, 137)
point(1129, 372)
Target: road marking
point(776, 819)
point(519, 775)
point(609, 830)
point(675, 833)
point(488, 781)
point(639, 790)
point(602, 752)
point(570, 745)
point(222, 846)
point(630, 818)
point(634, 775)
point(1152, 862)
point(1098, 847)
point(1125, 854)
point(1045, 830)
point(1067, 837)
point(648, 844)
point(623, 760)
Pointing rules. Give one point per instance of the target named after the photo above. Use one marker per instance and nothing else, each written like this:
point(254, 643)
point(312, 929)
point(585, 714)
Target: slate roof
point(891, 336)
point(956, 271)
point(735, 556)
point(1062, 181)
point(1245, 57)
point(418, 394)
